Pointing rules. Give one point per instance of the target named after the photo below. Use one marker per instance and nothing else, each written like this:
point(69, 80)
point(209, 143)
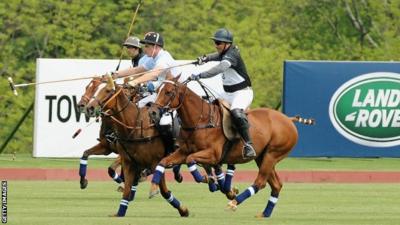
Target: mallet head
point(12, 86)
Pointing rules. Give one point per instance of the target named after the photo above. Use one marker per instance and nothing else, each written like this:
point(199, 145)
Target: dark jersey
point(135, 61)
point(235, 77)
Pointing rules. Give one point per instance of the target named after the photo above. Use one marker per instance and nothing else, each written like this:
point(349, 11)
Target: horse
point(106, 138)
point(138, 142)
point(273, 133)
point(106, 144)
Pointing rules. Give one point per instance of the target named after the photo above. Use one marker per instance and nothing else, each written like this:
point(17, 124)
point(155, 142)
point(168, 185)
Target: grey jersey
point(233, 69)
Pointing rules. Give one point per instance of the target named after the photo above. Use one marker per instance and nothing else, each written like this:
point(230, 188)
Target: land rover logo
point(366, 109)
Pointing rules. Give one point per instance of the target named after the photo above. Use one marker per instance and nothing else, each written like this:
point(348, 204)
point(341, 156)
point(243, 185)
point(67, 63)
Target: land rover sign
point(366, 109)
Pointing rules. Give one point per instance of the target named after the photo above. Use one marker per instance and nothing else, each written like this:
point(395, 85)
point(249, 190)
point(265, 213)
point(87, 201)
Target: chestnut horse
point(273, 134)
point(106, 138)
point(105, 145)
point(138, 141)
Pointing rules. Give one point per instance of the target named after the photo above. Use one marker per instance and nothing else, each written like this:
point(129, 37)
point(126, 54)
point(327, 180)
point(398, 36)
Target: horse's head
point(90, 90)
point(104, 99)
point(170, 95)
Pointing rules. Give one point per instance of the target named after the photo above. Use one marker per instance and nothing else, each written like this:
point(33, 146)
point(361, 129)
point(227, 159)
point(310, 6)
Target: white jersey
point(162, 60)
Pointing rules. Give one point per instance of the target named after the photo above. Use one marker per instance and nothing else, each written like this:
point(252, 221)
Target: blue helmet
point(223, 35)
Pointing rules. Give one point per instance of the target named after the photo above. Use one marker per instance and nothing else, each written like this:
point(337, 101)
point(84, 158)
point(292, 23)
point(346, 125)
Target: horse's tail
point(299, 119)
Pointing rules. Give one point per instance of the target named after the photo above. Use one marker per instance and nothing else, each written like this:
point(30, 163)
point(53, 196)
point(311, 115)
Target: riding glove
point(195, 77)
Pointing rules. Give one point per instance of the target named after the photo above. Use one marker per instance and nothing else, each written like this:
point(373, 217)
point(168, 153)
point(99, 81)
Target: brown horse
point(273, 134)
point(106, 138)
point(106, 144)
point(138, 142)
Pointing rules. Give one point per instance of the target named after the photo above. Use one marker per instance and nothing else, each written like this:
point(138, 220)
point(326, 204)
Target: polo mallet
point(129, 33)
point(15, 86)
point(80, 129)
point(12, 86)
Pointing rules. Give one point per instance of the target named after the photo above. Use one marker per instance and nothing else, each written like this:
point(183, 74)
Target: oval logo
point(366, 109)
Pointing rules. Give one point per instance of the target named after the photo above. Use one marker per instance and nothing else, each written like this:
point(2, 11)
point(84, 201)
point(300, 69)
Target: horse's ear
point(175, 79)
point(169, 75)
point(110, 82)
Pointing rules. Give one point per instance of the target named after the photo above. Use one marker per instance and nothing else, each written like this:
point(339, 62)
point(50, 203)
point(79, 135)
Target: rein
point(133, 128)
point(210, 123)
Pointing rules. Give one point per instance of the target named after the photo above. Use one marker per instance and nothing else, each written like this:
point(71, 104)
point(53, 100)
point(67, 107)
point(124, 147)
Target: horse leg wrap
point(270, 206)
point(172, 200)
point(246, 194)
point(228, 178)
point(133, 192)
point(195, 172)
point(220, 178)
point(158, 174)
point(123, 206)
point(114, 175)
point(122, 175)
point(82, 167)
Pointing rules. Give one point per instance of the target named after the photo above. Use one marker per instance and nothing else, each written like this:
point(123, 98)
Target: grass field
point(62, 202)
point(49, 203)
point(382, 164)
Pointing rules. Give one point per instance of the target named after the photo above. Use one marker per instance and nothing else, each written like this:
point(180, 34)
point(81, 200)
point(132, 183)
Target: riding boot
point(242, 125)
point(168, 138)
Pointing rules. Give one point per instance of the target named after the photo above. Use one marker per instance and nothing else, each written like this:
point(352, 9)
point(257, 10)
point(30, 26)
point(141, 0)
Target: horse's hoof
point(230, 195)
point(178, 178)
point(235, 190)
point(260, 216)
point(142, 178)
point(114, 215)
point(183, 211)
point(152, 194)
point(232, 206)
point(205, 179)
point(153, 190)
point(120, 189)
point(84, 184)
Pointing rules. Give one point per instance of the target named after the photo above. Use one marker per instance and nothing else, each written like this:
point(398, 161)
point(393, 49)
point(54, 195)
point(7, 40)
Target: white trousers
point(165, 118)
point(239, 99)
point(151, 98)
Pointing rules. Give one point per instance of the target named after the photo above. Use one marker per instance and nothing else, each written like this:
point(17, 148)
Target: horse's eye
point(169, 93)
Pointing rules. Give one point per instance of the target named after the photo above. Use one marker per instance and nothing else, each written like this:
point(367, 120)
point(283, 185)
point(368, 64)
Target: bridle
point(172, 96)
point(175, 93)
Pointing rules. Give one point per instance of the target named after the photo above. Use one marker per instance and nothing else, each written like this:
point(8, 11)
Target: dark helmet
point(153, 38)
point(132, 41)
point(223, 35)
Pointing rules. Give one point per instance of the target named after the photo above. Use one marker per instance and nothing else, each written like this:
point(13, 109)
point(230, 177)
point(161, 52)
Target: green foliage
point(267, 32)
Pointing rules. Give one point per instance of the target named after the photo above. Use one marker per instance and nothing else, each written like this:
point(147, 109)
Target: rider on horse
point(236, 83)
point(160, 59)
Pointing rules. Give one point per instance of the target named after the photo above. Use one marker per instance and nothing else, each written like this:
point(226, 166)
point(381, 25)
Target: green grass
point(385, 164)
point(49, 203)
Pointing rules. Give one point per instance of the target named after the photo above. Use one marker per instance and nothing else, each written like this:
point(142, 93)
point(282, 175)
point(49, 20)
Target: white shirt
point(162, 60)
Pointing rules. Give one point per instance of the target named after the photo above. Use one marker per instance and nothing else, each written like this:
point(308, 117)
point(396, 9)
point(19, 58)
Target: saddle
point(228, 127)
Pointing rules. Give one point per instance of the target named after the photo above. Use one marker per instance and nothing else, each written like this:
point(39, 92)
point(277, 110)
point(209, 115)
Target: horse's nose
point(90, 111)
point(81, 108)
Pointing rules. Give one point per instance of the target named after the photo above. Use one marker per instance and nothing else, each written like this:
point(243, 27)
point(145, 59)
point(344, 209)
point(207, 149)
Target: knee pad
point(166, 119)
